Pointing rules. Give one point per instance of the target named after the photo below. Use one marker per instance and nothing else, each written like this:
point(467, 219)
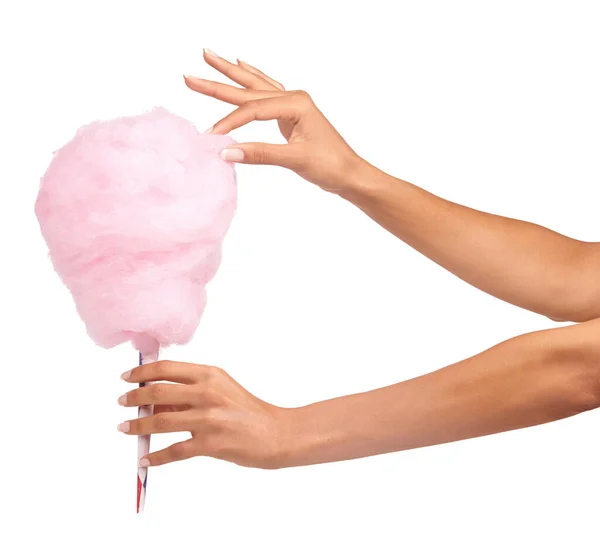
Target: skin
point(528, 380)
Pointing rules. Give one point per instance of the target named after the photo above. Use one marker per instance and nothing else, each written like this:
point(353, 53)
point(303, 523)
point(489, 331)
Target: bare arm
point(519, 262)
point(529, 380)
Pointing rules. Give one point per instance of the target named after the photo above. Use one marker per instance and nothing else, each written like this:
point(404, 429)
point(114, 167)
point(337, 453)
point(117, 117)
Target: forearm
point(522, 263)
point(528, 380)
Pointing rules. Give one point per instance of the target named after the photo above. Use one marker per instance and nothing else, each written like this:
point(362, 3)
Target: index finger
point(164, 370)
point(228, 93)
point(264, 110)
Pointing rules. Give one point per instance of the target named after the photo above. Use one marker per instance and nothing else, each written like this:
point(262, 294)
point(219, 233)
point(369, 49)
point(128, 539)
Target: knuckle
point(260, 155)
point(178, 450)
point(156, 393)
point(162, 422)
point(211, 91)
point(205, 396)
point(249, 105)
point(210, 375)
point(213, 418)
point(302, 97)
point(208, 417)
point(162, 366)
point(217, 399)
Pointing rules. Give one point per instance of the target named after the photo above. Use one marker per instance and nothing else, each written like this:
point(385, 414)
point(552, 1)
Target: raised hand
point(314, 149)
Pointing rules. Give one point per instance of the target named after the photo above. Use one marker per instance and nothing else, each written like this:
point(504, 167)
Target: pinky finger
point(174, 453)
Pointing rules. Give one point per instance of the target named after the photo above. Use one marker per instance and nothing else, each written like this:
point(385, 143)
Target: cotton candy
point(134, 212)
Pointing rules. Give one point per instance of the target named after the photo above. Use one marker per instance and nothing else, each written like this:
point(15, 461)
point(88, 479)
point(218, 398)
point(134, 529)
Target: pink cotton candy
point(134, 212)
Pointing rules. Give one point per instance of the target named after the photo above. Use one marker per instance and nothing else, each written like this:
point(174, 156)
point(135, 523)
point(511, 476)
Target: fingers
point(227, 93)
point(174, 422)
point(281, 107)
point(288, 108)
point(240, 75)
point(161, 394)
point(258, 72)
point(289, 156)
point(174, 453)
point(165, 370)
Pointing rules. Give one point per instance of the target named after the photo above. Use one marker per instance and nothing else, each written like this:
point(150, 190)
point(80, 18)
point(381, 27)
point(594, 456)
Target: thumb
point(259, 153)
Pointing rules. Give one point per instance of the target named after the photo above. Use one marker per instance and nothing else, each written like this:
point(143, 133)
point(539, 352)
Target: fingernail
point(122, 400)
point(126, 375)
point(144, 462)
point(124, 427)
point(232, 154)
point(209, 130)
point(209, 52)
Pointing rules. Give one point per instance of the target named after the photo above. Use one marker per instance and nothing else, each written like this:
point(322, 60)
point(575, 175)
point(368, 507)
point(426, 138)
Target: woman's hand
point(225, 420)
point(315, 150)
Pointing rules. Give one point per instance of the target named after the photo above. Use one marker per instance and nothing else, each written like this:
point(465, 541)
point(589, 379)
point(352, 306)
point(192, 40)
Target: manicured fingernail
point(126, 375)
point(209, 130)
point(122, 400)
point(232, 154)
point(209, 52)
point(124, 427)
point(144, 462)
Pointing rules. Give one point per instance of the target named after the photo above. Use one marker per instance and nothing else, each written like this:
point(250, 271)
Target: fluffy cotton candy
point(134, 212)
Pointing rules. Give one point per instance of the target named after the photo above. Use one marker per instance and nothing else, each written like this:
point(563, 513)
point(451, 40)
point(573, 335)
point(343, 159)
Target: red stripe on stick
point(139, 493)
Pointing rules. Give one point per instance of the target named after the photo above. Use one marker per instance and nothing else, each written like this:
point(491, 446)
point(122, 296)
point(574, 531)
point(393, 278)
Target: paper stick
point(144, 440)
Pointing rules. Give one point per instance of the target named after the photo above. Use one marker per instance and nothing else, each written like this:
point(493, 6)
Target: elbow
point(578, 307)
point(576, 352)
point(583, 394)
point(574, 314)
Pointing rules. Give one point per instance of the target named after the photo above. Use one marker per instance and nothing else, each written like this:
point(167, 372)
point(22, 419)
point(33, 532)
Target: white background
point(492, 104)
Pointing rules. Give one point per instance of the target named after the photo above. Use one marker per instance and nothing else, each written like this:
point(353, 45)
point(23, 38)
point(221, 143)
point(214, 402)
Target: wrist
point(318, 433)
point(301, 439)
point(364, 183)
